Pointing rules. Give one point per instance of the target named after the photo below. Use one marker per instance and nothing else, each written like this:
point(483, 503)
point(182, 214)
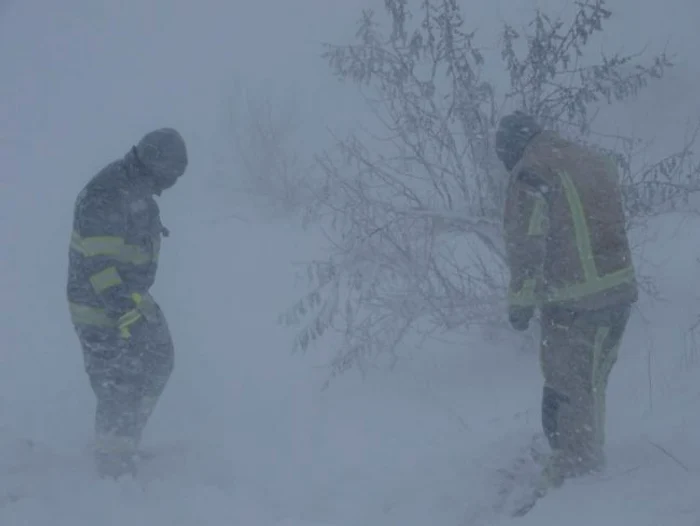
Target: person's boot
point(552, 474)
point(115, 456)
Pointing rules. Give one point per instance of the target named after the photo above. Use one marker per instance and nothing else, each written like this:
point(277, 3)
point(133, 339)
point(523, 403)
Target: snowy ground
point(249, 438)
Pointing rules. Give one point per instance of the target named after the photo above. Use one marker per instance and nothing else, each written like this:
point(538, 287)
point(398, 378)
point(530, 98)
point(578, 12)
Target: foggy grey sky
point(109, 71)
point(81, 81)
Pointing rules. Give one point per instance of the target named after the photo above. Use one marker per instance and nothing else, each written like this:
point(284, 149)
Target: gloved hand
point(143, 310)
point(519, 317)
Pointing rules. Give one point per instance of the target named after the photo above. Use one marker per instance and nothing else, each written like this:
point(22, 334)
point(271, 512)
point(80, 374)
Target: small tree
point(262, 151)
point(415, 214)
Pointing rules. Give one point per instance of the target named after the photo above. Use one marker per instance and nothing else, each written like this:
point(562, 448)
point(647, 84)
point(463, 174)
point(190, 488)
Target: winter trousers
point(578, 352)
point(127, 377)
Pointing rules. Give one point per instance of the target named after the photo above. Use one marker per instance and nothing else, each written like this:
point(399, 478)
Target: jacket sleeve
point(101, 225)
point(525, 226)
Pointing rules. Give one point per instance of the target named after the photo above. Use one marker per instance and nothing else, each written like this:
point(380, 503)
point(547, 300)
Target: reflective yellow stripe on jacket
point(539, 219)
point(538, 225)
point(112, 247)
point(593, 281)
point(98, 317)
point(105, 279)
point(86, 315)
point(109, 246)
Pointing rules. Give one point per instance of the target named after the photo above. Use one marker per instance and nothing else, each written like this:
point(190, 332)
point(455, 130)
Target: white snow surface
point(245, 435)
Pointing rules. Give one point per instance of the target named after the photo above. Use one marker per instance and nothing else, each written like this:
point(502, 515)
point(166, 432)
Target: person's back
point(588, 261)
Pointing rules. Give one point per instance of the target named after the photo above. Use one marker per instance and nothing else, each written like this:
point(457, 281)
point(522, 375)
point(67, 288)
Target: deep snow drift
point(246, 436)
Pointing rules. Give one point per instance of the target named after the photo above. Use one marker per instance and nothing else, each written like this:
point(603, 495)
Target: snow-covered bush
point(413, 207)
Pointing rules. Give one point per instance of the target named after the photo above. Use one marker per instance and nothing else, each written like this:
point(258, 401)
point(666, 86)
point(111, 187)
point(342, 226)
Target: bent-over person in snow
point(569, 256)
point(127, 349)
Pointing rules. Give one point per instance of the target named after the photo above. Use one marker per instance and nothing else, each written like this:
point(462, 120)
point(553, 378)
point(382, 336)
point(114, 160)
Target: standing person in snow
point(127, 349)
point(569, 256)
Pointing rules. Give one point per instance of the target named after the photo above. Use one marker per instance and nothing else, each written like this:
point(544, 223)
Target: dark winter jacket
point(564, 227)
point(114, 246)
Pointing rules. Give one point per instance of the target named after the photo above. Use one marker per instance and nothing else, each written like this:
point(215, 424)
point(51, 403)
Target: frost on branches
point(412, 210)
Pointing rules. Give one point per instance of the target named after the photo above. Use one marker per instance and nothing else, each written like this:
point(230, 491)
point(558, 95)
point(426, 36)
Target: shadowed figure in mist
point(127, 349)
point(569, 256)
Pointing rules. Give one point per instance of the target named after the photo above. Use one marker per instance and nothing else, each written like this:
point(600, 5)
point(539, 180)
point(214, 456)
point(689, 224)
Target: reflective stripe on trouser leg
point(599, 376)
point(578, 353)
point(567, 364)
point(603, 360)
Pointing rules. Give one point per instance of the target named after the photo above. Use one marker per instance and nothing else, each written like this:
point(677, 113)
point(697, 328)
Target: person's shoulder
point(105, 188)
point(109, 180)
